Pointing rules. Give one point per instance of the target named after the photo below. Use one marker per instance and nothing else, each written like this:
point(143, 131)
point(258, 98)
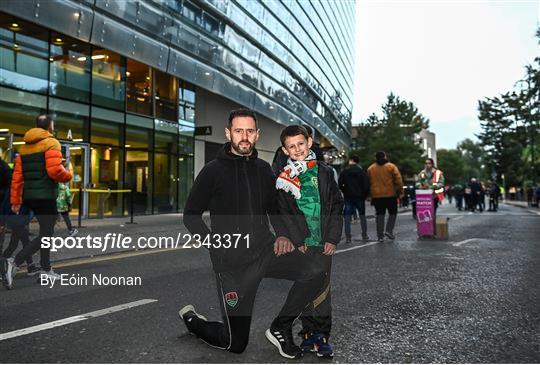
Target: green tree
point(452, 165)
point(509, 129)
point(395, 133)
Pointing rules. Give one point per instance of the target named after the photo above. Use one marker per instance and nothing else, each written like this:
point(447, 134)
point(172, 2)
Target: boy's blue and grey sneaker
point(188, 314)
point(322, 347)
point(282, 338)
point(308, 342)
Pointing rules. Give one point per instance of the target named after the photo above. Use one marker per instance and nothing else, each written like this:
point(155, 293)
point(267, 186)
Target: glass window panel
point(18, 110)
point(233, 40)
point(250, 52)
point(24, 53)
point(192, 12)
point(105, 132)
point(108, 75)
point(185, 144)
point(188, 95)
point(138, 177)
point(165, 172)
point(165, 183)
point(106, 173)
point(165, 95)
point(211, 24)
point(185, 179)
point(139, 88)
point(138, 138)
point(70, 68)
point(69, 118)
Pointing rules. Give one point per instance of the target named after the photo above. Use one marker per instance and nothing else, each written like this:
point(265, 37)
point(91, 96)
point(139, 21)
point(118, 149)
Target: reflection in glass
point(106, 174)
point(70, 118)
point(165, 172)
point(139, 88)
point(185, 179)
point(166, 95)
point(108, 72)
point(19, 109)
point(138, 179)
point(70, 68)
point(24, 53)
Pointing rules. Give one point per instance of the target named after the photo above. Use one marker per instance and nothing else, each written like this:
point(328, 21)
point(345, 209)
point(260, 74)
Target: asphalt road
point(473, 298)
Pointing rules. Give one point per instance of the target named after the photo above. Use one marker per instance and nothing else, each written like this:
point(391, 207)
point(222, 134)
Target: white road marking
point(464, 242)
point(355, 247)
point(532, 211)
point(457, 218)
point(69, 320)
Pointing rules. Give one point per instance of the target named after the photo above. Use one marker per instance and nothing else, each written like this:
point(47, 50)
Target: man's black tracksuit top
point(240, 193)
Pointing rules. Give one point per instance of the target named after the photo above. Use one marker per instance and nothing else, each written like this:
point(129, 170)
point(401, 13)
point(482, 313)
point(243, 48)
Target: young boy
point(311, 204)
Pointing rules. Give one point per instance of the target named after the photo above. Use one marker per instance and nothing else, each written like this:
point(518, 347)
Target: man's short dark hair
point(241, 113)
point(354, 158)
point(43, 121)
point(291, 131)
point(380, 155)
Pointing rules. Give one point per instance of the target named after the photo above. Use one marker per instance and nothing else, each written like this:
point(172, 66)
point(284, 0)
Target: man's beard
point(245, 150)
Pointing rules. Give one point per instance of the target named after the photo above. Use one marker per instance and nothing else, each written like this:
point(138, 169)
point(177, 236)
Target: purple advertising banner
point(425, 213)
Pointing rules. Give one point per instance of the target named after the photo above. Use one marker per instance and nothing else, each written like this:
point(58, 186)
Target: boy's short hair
point(243, 112)
point(354, 158)
point(291, 131)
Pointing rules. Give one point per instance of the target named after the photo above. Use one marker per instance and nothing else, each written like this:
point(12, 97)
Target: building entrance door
point(79, 157)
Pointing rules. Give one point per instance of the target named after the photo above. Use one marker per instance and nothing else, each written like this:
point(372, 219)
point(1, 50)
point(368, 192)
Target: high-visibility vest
point(436, 177)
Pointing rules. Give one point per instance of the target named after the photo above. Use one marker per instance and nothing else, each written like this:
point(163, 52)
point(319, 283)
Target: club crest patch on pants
point(231, 298)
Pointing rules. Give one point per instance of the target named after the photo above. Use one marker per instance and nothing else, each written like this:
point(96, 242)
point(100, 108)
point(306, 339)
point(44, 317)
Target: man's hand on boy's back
point(329, 249)
point(282, 246)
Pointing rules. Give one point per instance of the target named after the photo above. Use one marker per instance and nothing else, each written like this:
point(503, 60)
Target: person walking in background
point(475, 194)
point(385, 186)
point(354, 183)
point(63, 205)
point(494, 194)
point(38, 170)
point(459, 192)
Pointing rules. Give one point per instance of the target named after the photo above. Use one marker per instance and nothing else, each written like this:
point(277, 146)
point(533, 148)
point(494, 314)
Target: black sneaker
point(33, 270)
point(283, 340)
point(390, 236)
point(348, 240)
point(188, 314)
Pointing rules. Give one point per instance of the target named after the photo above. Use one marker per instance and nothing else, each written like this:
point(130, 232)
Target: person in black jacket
point(310, 201)
point(239, 190)
point(354, 183)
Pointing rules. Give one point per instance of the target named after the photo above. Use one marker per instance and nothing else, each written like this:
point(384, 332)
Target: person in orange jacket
point(386, 186)
point(38, 170)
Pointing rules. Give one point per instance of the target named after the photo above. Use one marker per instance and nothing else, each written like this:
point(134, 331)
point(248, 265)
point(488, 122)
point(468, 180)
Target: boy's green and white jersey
point(310, 204)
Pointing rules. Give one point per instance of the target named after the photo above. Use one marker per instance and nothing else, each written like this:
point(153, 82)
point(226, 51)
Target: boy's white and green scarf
point(288, 178)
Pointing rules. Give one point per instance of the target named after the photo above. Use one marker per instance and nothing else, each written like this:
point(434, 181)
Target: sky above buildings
point(443, 56)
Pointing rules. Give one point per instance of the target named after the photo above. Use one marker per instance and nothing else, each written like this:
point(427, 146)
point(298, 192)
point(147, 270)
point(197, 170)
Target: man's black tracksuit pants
point(237, 289)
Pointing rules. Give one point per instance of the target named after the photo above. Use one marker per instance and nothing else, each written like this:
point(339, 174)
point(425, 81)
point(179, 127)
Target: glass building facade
point(121, 80)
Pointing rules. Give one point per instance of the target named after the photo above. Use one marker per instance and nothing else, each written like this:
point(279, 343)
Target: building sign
point(425, 213)
point(203, 131)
